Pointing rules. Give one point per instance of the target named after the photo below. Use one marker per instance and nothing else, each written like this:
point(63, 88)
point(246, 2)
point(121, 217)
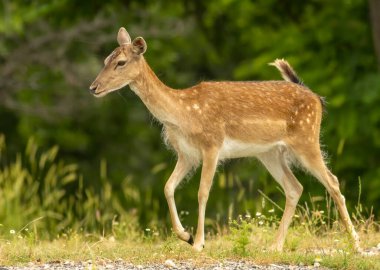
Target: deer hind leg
point(210, 160)
point(312, 160)
point(275, 162)
point(181, 169)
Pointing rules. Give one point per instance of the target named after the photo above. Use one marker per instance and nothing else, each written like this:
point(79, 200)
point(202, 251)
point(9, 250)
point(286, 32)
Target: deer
point(278, 122)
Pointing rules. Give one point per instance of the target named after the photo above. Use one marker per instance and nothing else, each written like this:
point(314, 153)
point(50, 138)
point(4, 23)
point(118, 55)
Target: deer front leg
point(210, 160)
point(180, 171)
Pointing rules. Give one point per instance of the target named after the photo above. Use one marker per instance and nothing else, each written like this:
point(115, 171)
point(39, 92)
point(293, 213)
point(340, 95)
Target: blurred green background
point(112, 164)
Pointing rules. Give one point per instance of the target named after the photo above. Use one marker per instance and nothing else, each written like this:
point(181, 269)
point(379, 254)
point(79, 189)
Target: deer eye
point(121, 63)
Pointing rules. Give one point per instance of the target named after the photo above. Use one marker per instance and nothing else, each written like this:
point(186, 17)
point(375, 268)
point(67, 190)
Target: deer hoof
point(198, 248)
point(191, 240)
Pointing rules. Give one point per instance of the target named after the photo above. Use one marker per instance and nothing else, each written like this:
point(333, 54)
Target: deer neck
point(157, 97)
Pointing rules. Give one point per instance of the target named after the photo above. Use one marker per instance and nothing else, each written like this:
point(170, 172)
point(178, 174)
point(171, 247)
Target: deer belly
point(235, 149)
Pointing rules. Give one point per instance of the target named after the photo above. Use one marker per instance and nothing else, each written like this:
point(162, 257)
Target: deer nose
point(93, 87)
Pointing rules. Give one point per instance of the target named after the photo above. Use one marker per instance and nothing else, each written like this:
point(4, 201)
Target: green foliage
point(240, 236)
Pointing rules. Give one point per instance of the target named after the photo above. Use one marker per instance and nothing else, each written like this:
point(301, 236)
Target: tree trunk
point(374, 8)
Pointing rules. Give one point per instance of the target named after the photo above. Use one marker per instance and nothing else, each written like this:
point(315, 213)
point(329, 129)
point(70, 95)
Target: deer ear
point(139, 45)
point(123, 37)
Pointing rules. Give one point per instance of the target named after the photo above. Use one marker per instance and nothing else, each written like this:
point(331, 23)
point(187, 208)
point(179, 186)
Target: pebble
point(170, 264)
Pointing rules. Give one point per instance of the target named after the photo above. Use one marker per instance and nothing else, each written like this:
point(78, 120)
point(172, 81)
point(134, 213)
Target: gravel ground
point(167, 265)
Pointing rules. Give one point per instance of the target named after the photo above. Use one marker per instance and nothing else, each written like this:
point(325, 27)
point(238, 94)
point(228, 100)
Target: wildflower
point(248, 216)
point(296, 216)
point(261, 222)
point(271, 210)
point(258, 214)
point(147, 229)
point(12, 231)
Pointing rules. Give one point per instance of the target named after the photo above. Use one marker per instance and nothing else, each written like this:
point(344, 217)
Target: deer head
point(121, 67)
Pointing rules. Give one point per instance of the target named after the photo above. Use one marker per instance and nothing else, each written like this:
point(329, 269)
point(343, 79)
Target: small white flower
point(271, 210)
point(248, 216)
point(147, 229)
point(12, 231)
point(258, 214)
point(261, 222)
point(321, 211)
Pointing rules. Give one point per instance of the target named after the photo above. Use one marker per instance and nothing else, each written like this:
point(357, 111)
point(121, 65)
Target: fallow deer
point(278, 122)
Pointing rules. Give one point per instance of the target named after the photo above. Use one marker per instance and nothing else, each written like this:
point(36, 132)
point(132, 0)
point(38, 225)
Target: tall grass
point(37, 190)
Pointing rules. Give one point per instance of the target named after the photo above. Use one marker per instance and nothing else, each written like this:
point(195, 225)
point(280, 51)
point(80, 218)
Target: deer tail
point(287, 72)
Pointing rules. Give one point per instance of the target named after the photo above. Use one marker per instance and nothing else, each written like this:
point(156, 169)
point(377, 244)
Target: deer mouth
point(101, 94)
point(97, 92)
point(94, 90)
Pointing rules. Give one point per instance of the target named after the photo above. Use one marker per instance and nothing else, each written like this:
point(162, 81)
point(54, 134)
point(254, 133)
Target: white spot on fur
point(196, 107)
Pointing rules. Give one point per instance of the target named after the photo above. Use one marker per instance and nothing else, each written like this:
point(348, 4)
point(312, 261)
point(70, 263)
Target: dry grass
point(330, 248)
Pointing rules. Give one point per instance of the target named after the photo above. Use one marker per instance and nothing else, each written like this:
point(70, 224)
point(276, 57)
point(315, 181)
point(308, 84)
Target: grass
point(35, 224)
point(247, 239)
